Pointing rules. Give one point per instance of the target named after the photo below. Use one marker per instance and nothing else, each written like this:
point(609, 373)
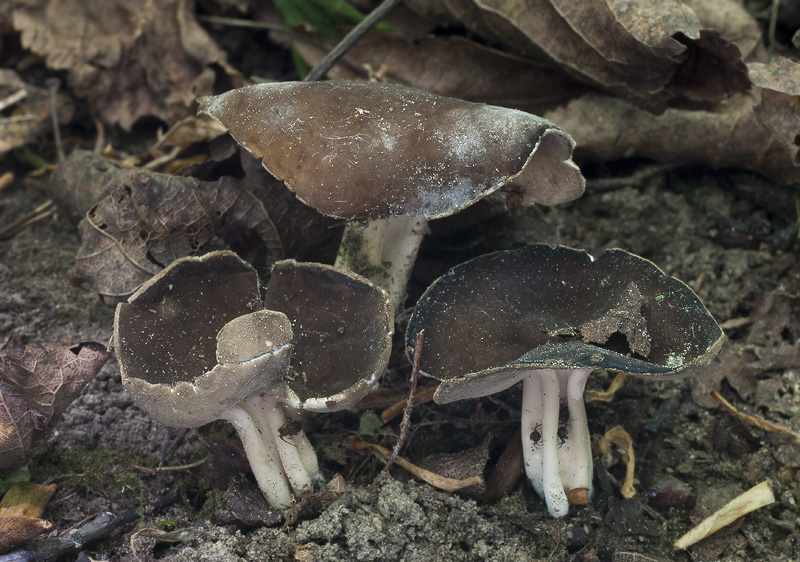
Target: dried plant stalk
point(619, 437)
point(756, 497)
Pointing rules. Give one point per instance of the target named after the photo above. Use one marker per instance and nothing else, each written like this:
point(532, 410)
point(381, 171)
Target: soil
point(731, 236)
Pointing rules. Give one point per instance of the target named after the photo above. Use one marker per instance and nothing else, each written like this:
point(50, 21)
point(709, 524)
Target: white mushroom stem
point(264, 458)
point(575, 455)
point(556, 465)
point(296, 452)
point(285, 465)
point(384, 251)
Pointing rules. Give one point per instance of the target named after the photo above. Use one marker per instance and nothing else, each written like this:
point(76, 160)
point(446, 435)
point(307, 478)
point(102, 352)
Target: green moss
point(99, 472)
point(167, 524)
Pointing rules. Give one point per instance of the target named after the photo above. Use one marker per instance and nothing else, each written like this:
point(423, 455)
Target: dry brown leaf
point(734, 22)
point(505, 474)
point(191, 130)
point(26, 499)
point(772, 313)
point(128, 59)
point(467, 463)
point(149, 220)
point(452, 66)
point(82, 179)
point(606, 129)
point(16, 531)
point(779, 110)
point(649, 53)
point(36, 386)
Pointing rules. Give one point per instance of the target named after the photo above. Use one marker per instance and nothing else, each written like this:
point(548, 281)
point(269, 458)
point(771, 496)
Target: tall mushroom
point(195, 344)
point(548, 316)
point(389, 158)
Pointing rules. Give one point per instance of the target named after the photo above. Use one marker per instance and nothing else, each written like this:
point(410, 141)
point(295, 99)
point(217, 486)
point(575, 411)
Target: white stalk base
point(283, 462)
point(557, 452)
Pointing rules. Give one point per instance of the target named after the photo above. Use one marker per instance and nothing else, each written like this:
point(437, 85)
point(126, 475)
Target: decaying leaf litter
point(653, 95)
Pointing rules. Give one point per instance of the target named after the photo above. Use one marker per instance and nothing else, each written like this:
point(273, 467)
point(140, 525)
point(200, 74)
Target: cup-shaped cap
point(368, 150)
point(490, 320)
point(342, 327)
point(194, 340)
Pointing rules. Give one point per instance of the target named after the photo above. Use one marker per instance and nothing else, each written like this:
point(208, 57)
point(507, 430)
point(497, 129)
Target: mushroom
point(195, 344)
point(548, 316)
point(389, 158)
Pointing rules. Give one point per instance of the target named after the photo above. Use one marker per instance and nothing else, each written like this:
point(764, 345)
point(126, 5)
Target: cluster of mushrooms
point(202, 341)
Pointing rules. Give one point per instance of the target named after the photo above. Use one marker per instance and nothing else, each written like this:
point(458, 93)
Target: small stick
point(435, 480)
point(635, 179)
point(756, 497)
point(406, 422)
point(161, 160)
point(349, 40)
point(423, 396)
point(773, 23)
point(100, 140)
point(53, 84)
point(238, 22)
point(158, 469)
point(45, 209)
point(17, 96)
point(758, 422)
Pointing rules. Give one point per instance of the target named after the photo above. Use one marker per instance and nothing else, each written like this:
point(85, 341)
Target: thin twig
point(100, 140)
point(406, 422)
point(53, 84)
point(161, 160)
point(756, 421)
point(773, 22)
point(237, 22)
point(635, 179)
point(17, 96)
point(435, 480)
point(147, 470)
point(45, 209)
point(423, 396)
point(349, 40)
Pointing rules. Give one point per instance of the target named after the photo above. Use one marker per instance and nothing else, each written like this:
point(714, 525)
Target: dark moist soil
point(728, 235)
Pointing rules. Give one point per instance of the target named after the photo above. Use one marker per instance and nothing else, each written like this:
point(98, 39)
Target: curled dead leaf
point(651, 54)
point(731, 135)
point(452, 66)
point(128, 59)
point(16, 531)
point(36, 386)
point(147, 220)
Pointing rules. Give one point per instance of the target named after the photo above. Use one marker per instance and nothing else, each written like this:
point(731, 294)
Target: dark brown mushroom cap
point(194, 340)
point(490, 320)
point(368, 150)
point(342, 332)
